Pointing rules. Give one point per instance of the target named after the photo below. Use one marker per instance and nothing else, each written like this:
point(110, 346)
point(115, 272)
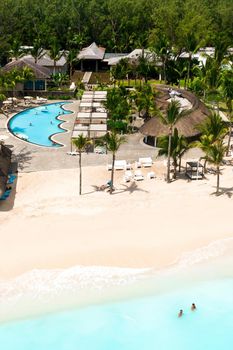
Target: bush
point(2, 97)
point(60, 97)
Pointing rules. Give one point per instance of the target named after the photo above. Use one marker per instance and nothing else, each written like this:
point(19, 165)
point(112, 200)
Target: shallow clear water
point(38, 124)
point(143, 323)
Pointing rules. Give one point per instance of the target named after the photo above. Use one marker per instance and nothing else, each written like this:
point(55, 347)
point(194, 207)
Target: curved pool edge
point(60, 125)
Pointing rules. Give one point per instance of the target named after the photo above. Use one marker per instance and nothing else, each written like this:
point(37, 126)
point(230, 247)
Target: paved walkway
point(35, 158)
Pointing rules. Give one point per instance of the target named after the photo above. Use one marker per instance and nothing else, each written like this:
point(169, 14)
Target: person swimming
point(193, 307)
point(51, 122)
point(180, 314)
point(30, 124)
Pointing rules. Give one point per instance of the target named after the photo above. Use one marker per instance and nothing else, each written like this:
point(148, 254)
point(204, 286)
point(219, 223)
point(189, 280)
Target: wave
point(40, 282)
point(212, 250)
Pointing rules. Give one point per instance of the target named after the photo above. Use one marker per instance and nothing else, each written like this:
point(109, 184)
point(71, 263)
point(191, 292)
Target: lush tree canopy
point(117, 25)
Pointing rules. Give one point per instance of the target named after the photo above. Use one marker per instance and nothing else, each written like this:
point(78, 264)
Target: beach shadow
point(23, 158)
point(90, 192)
point(228, 191)
point(131, 188)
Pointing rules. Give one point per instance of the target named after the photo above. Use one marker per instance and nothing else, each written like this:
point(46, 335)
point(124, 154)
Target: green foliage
point(118, 106)
point(179, 145)
point(60, 79)
point(213, 126)
point(2, 97)
point(120, 26)
point(144, 99)
point(60, 97)
point(112, 141)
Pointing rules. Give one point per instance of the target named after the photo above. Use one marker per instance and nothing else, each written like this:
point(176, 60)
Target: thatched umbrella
point(186, 126)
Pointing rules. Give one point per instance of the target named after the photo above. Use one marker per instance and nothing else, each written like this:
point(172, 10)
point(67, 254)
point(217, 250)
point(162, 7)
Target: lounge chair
point(128, 176)
point(119, 165)
point(5, 195)
point(151, 175)
point(138, 175)
point(146, 162)
point(138, 164)
point(73, 153)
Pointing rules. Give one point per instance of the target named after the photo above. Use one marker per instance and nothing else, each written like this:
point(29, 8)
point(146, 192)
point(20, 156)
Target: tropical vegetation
point(80, 143)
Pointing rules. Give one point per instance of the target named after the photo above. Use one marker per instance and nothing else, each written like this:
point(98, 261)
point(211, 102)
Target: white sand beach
point(143, 224)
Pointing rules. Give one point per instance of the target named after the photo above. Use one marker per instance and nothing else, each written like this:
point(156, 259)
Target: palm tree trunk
point(229, 139)
point(169, 154)
point(80, 173)
point(164, 71)
point(205, 163)
point(218, 178)
point(180, 164)
point(54, 67)
point(175, 167)
point(71, 70)
point(189, 67)
point(112, 173)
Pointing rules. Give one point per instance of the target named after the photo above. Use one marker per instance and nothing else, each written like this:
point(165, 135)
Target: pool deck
point(31, 157)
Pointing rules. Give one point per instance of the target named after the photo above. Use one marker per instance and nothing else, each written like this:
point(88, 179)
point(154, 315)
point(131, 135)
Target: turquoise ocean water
point(148, 322)
point(38, 124)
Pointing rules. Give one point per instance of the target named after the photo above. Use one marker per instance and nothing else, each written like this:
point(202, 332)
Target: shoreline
point(41, 292)
point(147, 225)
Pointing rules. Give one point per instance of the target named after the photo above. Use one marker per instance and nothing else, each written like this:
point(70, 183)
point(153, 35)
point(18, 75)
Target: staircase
point(86, 78)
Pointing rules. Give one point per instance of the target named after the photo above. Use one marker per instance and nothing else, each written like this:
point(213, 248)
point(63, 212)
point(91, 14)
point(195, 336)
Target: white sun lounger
point(151, 175)
point(138, 175)
point(119, 165)
point(128, 176)
point(74, 153)
point(146, 162)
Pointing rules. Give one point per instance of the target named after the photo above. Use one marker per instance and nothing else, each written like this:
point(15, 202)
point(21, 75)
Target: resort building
point(41, 75)
point(91, 58)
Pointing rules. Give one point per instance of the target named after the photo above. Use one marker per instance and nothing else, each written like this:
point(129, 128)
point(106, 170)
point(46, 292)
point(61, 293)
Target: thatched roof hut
point(187, 125)
point(5, 162)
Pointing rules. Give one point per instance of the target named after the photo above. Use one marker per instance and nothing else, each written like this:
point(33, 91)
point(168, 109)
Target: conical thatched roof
point(39, 71)
point(5, 162)
point(187, 125)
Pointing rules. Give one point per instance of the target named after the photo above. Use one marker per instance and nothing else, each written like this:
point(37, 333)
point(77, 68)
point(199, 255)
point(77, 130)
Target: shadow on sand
point(228, 191)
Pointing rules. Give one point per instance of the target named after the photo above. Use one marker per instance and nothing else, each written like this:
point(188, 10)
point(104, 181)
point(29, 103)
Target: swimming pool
point(38, 125)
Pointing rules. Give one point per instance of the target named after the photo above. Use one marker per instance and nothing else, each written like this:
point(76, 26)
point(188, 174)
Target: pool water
point(144, 323)
point(37, 125)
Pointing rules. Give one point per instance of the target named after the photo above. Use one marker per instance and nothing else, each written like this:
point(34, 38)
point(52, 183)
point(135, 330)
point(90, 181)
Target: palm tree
point(227, 88)
point(37, 50)
point(54, 53)
point(179, 146)
point(213, 125)
point(81, 143)
point(213, 129)
point(118, 107)
point(144, 100)
point(173, 115)
point(161, 47)
point(71, 59)
point(215, 156)
point(191, 46)
point(112, 142)
point(16, 51)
